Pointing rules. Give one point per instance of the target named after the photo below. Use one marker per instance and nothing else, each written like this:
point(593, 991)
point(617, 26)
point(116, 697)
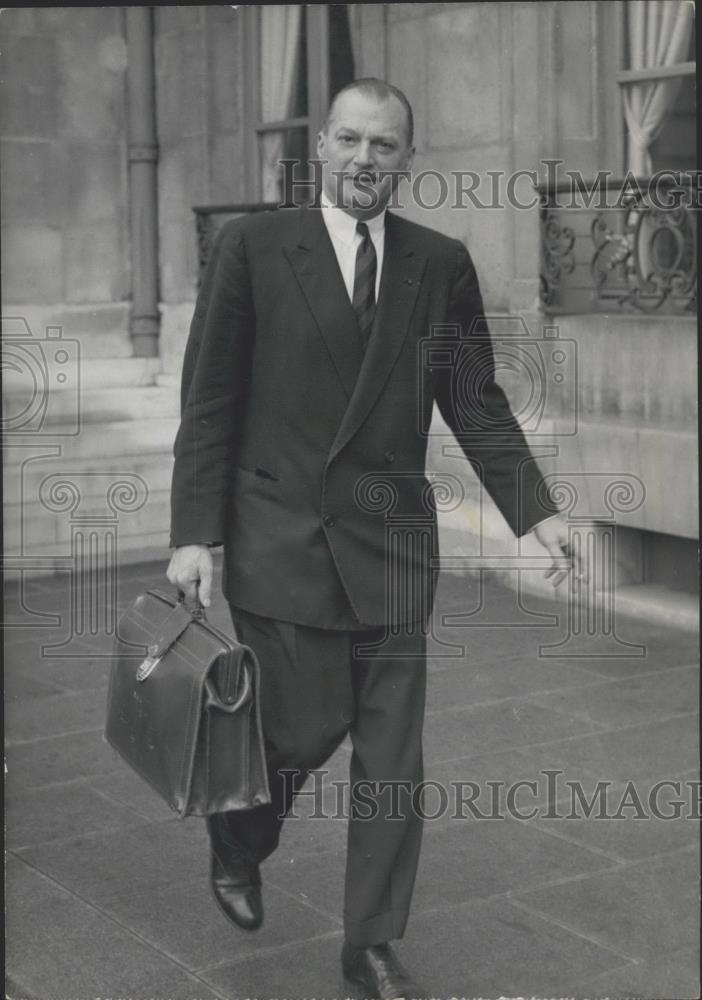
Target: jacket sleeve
point(476, 409)
point(214, 386)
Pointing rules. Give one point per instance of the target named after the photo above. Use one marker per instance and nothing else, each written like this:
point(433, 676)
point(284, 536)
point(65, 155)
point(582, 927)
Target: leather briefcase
point(183, 710)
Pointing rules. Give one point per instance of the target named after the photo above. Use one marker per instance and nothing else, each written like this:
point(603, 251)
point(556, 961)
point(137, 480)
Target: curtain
point(280, 36)
point(659, 35)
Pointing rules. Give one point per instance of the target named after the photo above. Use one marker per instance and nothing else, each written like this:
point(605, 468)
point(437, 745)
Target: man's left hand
point(553, 535)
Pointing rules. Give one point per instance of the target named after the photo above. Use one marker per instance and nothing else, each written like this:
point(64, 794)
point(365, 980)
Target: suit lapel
point(317, 271)
point(401, 277)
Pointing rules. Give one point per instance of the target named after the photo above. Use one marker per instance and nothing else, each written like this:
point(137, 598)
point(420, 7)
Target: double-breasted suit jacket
point(305, 456)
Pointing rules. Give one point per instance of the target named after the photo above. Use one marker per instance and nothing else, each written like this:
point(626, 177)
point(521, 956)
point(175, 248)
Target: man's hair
point(371, 86)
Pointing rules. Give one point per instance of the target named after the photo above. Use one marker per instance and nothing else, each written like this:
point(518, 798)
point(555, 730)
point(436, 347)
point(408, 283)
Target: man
point(305, 389)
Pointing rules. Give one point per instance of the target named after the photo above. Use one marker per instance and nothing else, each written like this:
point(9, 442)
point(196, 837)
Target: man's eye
point(347, 139)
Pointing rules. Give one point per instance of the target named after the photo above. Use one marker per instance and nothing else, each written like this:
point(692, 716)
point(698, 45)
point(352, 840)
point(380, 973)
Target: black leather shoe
point(378, 973)
point(235, 880)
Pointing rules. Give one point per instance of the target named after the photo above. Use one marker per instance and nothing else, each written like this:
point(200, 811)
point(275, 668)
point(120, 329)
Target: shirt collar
point(342, 226)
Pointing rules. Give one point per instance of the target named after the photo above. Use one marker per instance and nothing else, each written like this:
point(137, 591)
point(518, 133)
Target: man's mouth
point(364, 177)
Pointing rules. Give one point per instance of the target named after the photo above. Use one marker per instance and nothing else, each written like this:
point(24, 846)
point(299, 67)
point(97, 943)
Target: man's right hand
point(191, 568)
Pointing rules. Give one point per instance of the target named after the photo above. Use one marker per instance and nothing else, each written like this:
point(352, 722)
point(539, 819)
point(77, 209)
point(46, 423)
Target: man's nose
point(364, 154)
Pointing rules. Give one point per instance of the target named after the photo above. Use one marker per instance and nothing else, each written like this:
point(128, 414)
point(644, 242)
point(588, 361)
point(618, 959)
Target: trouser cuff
point(382, 927)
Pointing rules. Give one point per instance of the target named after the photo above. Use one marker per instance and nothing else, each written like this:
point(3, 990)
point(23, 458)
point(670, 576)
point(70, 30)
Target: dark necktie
point(364, 283)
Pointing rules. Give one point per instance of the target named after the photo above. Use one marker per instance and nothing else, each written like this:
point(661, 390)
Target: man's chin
point(365, 201)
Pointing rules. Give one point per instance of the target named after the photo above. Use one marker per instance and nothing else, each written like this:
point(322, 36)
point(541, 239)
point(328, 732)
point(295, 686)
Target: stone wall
point(636, 406)
point(499, 87)
point(65, 235)
point(64, 158)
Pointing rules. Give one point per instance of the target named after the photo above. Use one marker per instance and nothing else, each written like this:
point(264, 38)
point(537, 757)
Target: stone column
point(143, 159)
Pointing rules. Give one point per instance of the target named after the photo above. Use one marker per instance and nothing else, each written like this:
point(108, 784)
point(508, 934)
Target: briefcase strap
point(171, 629)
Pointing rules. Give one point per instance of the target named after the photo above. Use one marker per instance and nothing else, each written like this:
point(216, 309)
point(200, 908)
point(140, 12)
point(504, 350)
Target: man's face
point(365, 146)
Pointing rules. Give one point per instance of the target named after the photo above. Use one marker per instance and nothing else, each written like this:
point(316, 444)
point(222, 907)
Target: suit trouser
point(317, 686)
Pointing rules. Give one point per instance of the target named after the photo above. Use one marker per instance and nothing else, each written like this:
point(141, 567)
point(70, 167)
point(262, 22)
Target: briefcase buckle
point(147, 666)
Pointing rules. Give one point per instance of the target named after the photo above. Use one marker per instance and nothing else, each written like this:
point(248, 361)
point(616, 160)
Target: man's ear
point(321, 140)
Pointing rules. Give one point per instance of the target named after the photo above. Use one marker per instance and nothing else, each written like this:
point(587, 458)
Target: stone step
point(151, 546)
point(110, 344)
point(35, 526)
point(89, 499)
point(28, 371)
point(100, 405)
point(101, 329)
point(92, 475)
point(122, 439)
point(98, 373)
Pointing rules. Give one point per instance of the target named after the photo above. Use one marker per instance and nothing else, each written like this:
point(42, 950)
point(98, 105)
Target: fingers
point(172, 571)
point(191, 569)
point(580, 563)
point(574, 551)
point(561, 566)
point(206, 581)
point(189, 588)
point(567, 558)
point(558, 571)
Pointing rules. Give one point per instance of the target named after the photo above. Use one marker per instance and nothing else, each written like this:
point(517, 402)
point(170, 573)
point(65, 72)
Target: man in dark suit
point(305, 391)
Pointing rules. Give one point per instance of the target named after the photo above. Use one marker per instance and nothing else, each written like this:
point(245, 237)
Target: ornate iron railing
point(209, 219)
point(618, 247)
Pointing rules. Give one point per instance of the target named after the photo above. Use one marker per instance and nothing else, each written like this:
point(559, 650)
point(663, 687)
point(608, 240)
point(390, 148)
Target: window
point(298, 57)
point(658, 87)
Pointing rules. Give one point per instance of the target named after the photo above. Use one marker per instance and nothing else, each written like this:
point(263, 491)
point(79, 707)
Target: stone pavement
point(107, 891)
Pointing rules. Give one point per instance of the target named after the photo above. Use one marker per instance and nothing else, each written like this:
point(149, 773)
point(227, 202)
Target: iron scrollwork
point(208, 221)
point(653, 258)
point(557, 254)
point(641, 254)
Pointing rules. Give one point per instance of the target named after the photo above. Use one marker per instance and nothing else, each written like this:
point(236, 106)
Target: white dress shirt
point(346, 241)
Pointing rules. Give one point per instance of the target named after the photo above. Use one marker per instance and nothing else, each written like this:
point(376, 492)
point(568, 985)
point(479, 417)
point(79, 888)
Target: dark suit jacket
point(304, 457)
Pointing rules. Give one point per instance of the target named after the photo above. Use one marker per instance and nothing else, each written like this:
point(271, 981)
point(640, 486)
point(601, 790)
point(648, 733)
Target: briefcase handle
point(245, 696)
point(198, 611)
